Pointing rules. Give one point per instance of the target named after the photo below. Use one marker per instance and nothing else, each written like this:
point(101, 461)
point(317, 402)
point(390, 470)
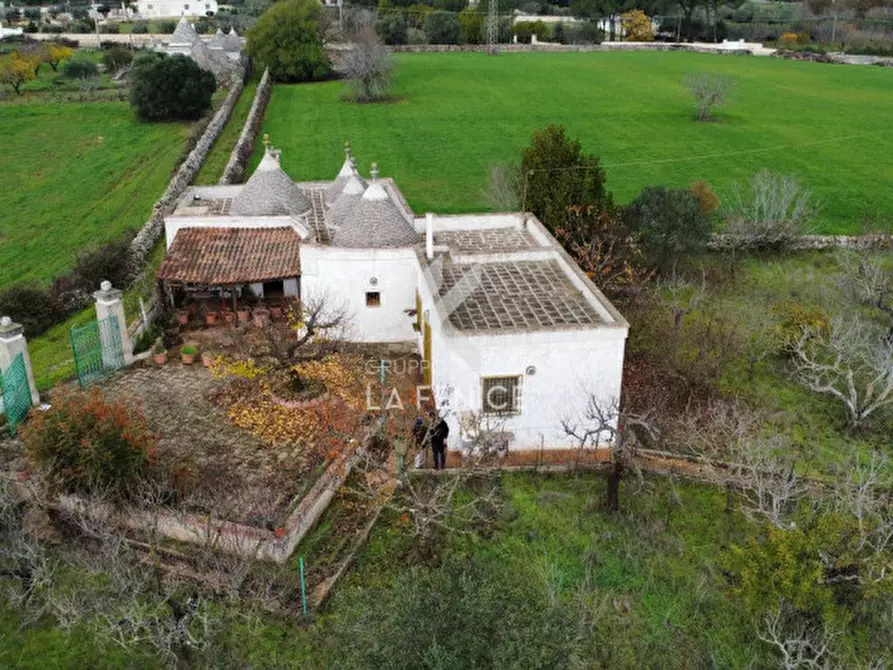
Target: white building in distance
point(507, 326)
point(175, 9)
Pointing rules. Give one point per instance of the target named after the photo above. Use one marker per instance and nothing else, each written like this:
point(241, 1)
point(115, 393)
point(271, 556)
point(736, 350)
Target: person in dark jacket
point(440, 431)
point(421, 439)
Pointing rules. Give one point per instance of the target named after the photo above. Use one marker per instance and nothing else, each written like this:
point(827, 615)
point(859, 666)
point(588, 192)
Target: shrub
point(669, 223)
point(32, 27)
point(591, 33)
point(416, 36)
point(189, 350)
point(795, 318)
point(391, 27)
point(287, 39)
point(32, 13)
point(80, 69)
point(167, 27)
point(417, 14)
point(558, 33)
point(637, 26)
point(472, 22)
point(525, 30)
point(52, 29)
point(443, 28)
point(12, 14)
point(110, 261)
point(115, 59)
point(140, 28)
point(171, 88)
point(29, 305)
point(87, 444)
point(110, 28)
point(147, 339)
point(80, 28)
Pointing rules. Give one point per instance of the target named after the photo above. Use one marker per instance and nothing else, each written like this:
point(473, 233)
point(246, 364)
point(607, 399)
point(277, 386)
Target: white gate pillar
point(108, 303)
point(12, 343)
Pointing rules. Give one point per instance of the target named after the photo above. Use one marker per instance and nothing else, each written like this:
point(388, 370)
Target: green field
point(459, 113)
point(75, 176)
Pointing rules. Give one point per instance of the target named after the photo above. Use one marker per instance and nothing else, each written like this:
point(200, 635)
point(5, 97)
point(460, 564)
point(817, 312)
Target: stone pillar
point(108, 303)
point(12, 343)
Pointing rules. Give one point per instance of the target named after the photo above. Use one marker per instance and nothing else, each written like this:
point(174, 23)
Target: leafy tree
point(171, 88)
point(56, 53)
point(391, 27)
point(288, 39)
point(637, 26)
point(472, 22)
point(16, 69)
point(558, 175)
point(116, 58)
point(32, 14)
point(669, 223)
point(443, 28)
point(80, 69)
point(12, 14)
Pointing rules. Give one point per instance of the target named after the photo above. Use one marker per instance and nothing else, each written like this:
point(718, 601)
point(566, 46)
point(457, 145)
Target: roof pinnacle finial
point(347, 149)
point(267, 142)
point(374, 171)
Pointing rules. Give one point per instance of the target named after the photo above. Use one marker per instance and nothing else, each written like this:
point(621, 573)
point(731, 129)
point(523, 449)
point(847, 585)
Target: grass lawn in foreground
point(459, 113)
point(75, 176)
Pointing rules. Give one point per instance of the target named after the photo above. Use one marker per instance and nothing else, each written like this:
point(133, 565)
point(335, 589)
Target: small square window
point(373, 299)
point(501, 396)
point(185, 6)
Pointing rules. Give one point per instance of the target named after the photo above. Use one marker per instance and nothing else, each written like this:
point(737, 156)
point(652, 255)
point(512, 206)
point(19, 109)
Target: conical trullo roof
point(185, 33)
point(374, 222)
point(270, 192)
point(218, 41)
point(350, 196)
point(233, 41)
point(348, 170)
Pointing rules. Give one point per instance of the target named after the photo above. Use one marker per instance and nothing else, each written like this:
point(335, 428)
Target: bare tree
point(777, 209)
point(600, 423)
point(367, 65)
point(505, 191)
point(709, 90)
point(849, 361)
point(680, 296)
point(869, 282)
point(799, 643)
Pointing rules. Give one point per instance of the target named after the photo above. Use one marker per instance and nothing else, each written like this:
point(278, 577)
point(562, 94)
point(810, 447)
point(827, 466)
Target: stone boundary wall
point(89, 39)
point(238, 159)
point(145, 239)
point(560, 48)
point(875, 241)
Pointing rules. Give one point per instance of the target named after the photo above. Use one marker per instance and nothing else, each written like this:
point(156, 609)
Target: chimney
point(429, 236)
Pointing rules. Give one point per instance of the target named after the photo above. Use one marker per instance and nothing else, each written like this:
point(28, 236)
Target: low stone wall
point(149, 234)
point(558, 48)
point(238, 159)
point(879, 241)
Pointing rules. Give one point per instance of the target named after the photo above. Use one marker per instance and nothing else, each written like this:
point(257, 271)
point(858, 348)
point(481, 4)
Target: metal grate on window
point(501, 395)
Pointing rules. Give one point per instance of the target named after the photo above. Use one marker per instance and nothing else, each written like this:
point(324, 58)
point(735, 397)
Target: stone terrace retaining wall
point(146, 238)
point(720, 242)
point(238, 159)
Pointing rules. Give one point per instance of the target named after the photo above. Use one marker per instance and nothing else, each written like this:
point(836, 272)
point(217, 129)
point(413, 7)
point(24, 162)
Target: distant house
point(220, 55)
point(174, 9)
point(507, 325)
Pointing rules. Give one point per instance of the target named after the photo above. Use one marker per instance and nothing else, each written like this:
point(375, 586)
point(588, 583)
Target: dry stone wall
point(238, 159)
point(878, 241)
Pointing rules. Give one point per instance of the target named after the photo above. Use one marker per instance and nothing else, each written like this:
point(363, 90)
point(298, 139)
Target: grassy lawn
point(214, 164)
point(82, 173)
point(459, 113)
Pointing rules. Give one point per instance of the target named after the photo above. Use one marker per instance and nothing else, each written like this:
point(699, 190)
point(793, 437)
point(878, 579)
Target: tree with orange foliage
point(637, 26)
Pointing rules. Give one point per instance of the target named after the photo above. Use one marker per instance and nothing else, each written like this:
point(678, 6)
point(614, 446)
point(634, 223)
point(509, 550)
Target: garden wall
point(744, 49)
point(720, 242)
point(238, 159)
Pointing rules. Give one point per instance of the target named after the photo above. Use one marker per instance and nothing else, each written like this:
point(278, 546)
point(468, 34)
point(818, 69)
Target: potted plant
point(244, 314)
point(210, 317)
point(276, 311)
point(159, 353)
point(187, 354)
point(208, 358)
point(182, 316)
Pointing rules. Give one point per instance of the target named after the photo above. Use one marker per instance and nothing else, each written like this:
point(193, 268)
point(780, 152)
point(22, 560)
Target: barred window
point(501, 395)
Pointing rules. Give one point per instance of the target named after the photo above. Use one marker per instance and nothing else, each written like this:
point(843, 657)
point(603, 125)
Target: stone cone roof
point(185, 33)
point(344, 204)
point(214, 61)
point(219, 40)
point(233, 41)
point(375, 222)
point(270, 192)
point(348, 170)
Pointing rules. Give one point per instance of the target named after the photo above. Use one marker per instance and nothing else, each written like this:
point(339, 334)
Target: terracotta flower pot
point(229, 316)
point(276, 311)
point(208, 359)
point(244, 315)
point(192, 309)
point(183, 317)
point(160, 359)
point(261, 317)
point(187, 359)
point(210, 318)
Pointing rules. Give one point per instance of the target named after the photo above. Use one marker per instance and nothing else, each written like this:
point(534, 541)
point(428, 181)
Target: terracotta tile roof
point(220, 256)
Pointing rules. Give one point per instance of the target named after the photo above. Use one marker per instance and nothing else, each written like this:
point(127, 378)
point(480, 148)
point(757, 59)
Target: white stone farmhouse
point(506, 324)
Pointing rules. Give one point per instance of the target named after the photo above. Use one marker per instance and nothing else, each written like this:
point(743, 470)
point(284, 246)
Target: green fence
point(16, 392)
point(98, 351)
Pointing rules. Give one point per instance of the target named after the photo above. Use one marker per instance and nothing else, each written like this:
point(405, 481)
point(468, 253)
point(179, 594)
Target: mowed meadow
point(457, 114)
point(74, 177)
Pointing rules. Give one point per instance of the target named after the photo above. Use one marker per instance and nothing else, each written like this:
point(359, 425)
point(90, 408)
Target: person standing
point(420, 438)
point(440, 431)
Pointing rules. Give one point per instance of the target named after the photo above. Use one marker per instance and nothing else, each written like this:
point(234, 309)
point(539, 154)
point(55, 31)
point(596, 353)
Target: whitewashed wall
point(344, 276)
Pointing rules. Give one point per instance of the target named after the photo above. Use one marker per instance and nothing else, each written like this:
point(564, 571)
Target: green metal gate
point(16, 392)
point(98, 351)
